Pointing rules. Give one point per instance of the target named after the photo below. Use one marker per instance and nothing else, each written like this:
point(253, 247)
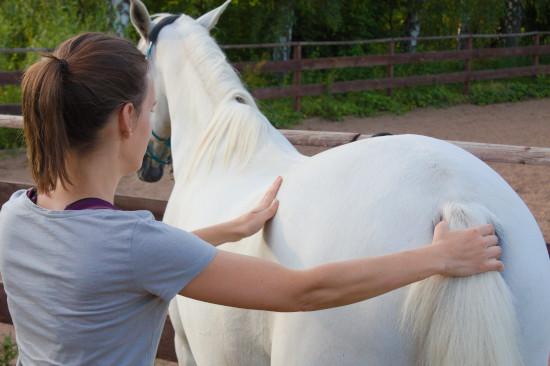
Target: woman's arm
point(222, 233)
point(249, 282)
point(244, 225)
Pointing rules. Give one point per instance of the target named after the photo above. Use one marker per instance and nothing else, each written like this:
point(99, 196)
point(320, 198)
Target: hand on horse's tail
point(253, 221)
point(467, 252)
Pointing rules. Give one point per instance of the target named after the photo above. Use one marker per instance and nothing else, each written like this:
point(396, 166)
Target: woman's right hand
point(467, 252)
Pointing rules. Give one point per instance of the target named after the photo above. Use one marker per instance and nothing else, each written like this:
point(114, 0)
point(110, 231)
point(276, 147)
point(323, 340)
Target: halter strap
point(153, 36)
point(154, 33)
point(149, 152)
point(165, 141)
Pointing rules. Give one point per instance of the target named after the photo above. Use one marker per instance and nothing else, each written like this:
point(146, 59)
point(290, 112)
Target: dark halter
point(152, 155)
point(153, 36)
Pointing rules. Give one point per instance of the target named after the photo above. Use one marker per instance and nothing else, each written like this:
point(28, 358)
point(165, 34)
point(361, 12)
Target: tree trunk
point(512, 21)
point(413, 24)
point(463, 29)
point(284, 35)
point(122, 15)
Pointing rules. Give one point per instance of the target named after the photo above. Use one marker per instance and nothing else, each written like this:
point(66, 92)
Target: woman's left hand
point(244, 225)
point(251, 222)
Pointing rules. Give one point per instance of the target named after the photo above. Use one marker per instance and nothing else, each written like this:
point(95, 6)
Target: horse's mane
point(237, 124)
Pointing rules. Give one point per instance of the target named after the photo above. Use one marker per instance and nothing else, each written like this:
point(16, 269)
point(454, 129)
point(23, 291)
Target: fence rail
point(334, 43)
point(487, 152)
point(391, 59)
point(297, 65)
point(386, 40)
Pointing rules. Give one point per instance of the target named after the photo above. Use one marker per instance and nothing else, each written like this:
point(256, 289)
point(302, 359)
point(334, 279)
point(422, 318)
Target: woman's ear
point(126, 119)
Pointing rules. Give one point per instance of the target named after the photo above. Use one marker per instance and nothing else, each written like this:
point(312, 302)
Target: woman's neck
point(95, 175)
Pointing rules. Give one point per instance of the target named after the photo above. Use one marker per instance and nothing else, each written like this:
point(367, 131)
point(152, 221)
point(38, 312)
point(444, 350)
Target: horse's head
point(165, 69)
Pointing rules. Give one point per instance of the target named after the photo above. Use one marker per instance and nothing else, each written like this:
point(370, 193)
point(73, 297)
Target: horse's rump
point(381, 196)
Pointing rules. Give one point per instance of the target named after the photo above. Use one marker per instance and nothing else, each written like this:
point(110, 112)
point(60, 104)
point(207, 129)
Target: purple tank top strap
point(81, 204)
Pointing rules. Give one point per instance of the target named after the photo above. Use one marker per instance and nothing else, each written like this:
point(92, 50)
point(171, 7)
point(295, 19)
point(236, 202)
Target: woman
point(89, 284)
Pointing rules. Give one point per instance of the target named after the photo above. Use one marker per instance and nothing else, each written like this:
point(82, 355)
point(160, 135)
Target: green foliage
point(254, 21)
point(9, 351)
point(244, 21)
point(472, 16)
point(10, 94)
point(438, 96)
point(10, 138)
point(280, 112)
point(42, 24)
point(372, 103)
point(537, 14)
point(45, 23)
point(510, 91)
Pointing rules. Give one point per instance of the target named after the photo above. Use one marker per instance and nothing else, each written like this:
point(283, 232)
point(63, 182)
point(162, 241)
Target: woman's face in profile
point(137, 142)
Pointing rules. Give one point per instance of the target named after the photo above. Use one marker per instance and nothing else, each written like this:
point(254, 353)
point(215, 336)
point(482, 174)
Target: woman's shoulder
point(15, 196)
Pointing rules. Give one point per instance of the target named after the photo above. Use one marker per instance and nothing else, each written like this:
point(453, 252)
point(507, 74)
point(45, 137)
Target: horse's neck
point(218, 179)
point(188, 109)
point(215, 195)
point(225, 152)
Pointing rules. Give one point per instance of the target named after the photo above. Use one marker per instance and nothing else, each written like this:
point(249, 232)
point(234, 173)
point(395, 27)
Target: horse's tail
point(463, 321)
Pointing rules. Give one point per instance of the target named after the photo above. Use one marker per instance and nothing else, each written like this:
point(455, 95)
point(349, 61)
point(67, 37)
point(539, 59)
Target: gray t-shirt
point(92, 287)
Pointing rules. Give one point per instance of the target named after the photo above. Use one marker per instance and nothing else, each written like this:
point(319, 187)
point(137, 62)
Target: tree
point(536, 15)
point(412, 23)
point(121, 9)
point(512, 20)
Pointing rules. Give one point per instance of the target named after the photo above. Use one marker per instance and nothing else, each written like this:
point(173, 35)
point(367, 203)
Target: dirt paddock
point(523, 123)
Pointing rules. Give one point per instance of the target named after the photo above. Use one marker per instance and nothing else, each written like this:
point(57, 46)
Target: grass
point(367, 104)
point(9, 351)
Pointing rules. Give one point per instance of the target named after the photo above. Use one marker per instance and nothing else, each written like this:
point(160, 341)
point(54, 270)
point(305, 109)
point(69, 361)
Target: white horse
point(341, 204)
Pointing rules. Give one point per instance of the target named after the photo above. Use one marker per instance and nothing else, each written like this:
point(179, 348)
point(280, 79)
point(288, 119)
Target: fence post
point(390, 66)
point(536, 57)
point(297, 56)
point(468, 64)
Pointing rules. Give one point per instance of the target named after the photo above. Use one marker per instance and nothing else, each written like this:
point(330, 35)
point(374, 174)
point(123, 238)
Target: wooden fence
point(297, 65)
point(488, 152)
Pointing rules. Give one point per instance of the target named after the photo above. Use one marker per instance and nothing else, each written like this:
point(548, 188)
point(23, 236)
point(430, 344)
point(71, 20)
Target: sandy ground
point(524, 123)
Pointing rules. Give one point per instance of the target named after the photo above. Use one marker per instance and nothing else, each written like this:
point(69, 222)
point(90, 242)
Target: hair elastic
point(64, 65)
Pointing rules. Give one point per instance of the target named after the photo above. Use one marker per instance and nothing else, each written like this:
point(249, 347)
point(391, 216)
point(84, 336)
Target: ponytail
point(44, 125)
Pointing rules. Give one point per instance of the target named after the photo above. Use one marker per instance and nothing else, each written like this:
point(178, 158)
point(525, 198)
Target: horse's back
point(381, 196)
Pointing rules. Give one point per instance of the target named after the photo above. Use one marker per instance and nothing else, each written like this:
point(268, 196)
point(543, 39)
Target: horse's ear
point(140, 18)
point(210, 19)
